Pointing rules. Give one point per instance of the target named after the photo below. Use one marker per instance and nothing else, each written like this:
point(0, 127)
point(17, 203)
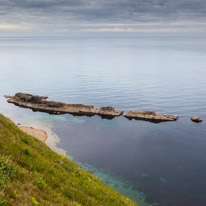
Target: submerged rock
point(150, 116)
point(196, 119)
point(39, 103)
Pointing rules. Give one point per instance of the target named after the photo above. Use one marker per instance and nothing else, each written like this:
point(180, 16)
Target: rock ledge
point(150, 116)
point(40, 103)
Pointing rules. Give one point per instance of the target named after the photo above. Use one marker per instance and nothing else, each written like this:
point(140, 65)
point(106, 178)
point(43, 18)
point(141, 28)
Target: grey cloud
point(70, 12)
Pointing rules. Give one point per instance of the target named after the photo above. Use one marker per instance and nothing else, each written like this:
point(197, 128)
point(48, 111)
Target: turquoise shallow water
point(161, 164)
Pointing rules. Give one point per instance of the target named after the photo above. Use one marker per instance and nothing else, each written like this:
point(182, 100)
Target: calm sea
point(160, 164)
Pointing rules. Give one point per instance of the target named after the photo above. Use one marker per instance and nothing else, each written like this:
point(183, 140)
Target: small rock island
point(150, 116)
point(196, 119)
point(40, 103)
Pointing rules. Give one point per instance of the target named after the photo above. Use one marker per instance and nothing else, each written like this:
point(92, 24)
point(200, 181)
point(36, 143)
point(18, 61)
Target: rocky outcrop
point(196, 119)
point(40, 103)
point(109, 111)
point(29, 98)
point(150, 116)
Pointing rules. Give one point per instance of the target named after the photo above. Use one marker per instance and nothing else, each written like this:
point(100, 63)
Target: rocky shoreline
point(40, 103)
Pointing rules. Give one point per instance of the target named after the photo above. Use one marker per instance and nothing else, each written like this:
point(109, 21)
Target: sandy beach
point(39, 134)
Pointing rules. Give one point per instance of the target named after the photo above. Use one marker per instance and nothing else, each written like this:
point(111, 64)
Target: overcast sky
point(102, 16)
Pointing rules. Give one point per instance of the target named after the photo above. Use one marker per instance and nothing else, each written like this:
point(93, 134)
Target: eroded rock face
point(196, 119)
point(39, 103)
point(150, 116)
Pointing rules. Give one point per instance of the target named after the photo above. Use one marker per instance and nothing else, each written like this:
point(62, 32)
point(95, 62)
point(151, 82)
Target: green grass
point(32, 174)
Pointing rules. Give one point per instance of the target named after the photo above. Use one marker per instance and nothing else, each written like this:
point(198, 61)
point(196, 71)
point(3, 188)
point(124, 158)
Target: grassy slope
point(42, 177)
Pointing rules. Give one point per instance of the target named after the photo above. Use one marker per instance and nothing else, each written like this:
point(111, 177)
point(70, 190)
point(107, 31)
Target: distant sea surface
point(158, 164)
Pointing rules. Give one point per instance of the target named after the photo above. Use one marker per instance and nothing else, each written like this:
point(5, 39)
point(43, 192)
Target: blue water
point(160, 164)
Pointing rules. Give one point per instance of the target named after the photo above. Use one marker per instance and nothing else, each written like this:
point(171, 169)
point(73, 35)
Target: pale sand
point(39, 134)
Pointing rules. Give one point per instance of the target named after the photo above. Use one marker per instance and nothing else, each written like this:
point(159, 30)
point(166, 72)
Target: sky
point(63, 17)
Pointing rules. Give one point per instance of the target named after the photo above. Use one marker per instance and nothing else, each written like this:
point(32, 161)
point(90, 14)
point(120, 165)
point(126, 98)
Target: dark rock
point(196, 119)
point(29, 98)
point(54, 104)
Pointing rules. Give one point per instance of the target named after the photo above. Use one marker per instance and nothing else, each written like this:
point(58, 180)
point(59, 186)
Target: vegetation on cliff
point(32, 174)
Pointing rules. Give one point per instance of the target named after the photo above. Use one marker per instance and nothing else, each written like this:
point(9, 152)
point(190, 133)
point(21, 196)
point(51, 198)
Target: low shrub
point(34, 201)
point(2, 200)
point(39, 181)
point(25, 139)
point(7, 170)
point(26, 150)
